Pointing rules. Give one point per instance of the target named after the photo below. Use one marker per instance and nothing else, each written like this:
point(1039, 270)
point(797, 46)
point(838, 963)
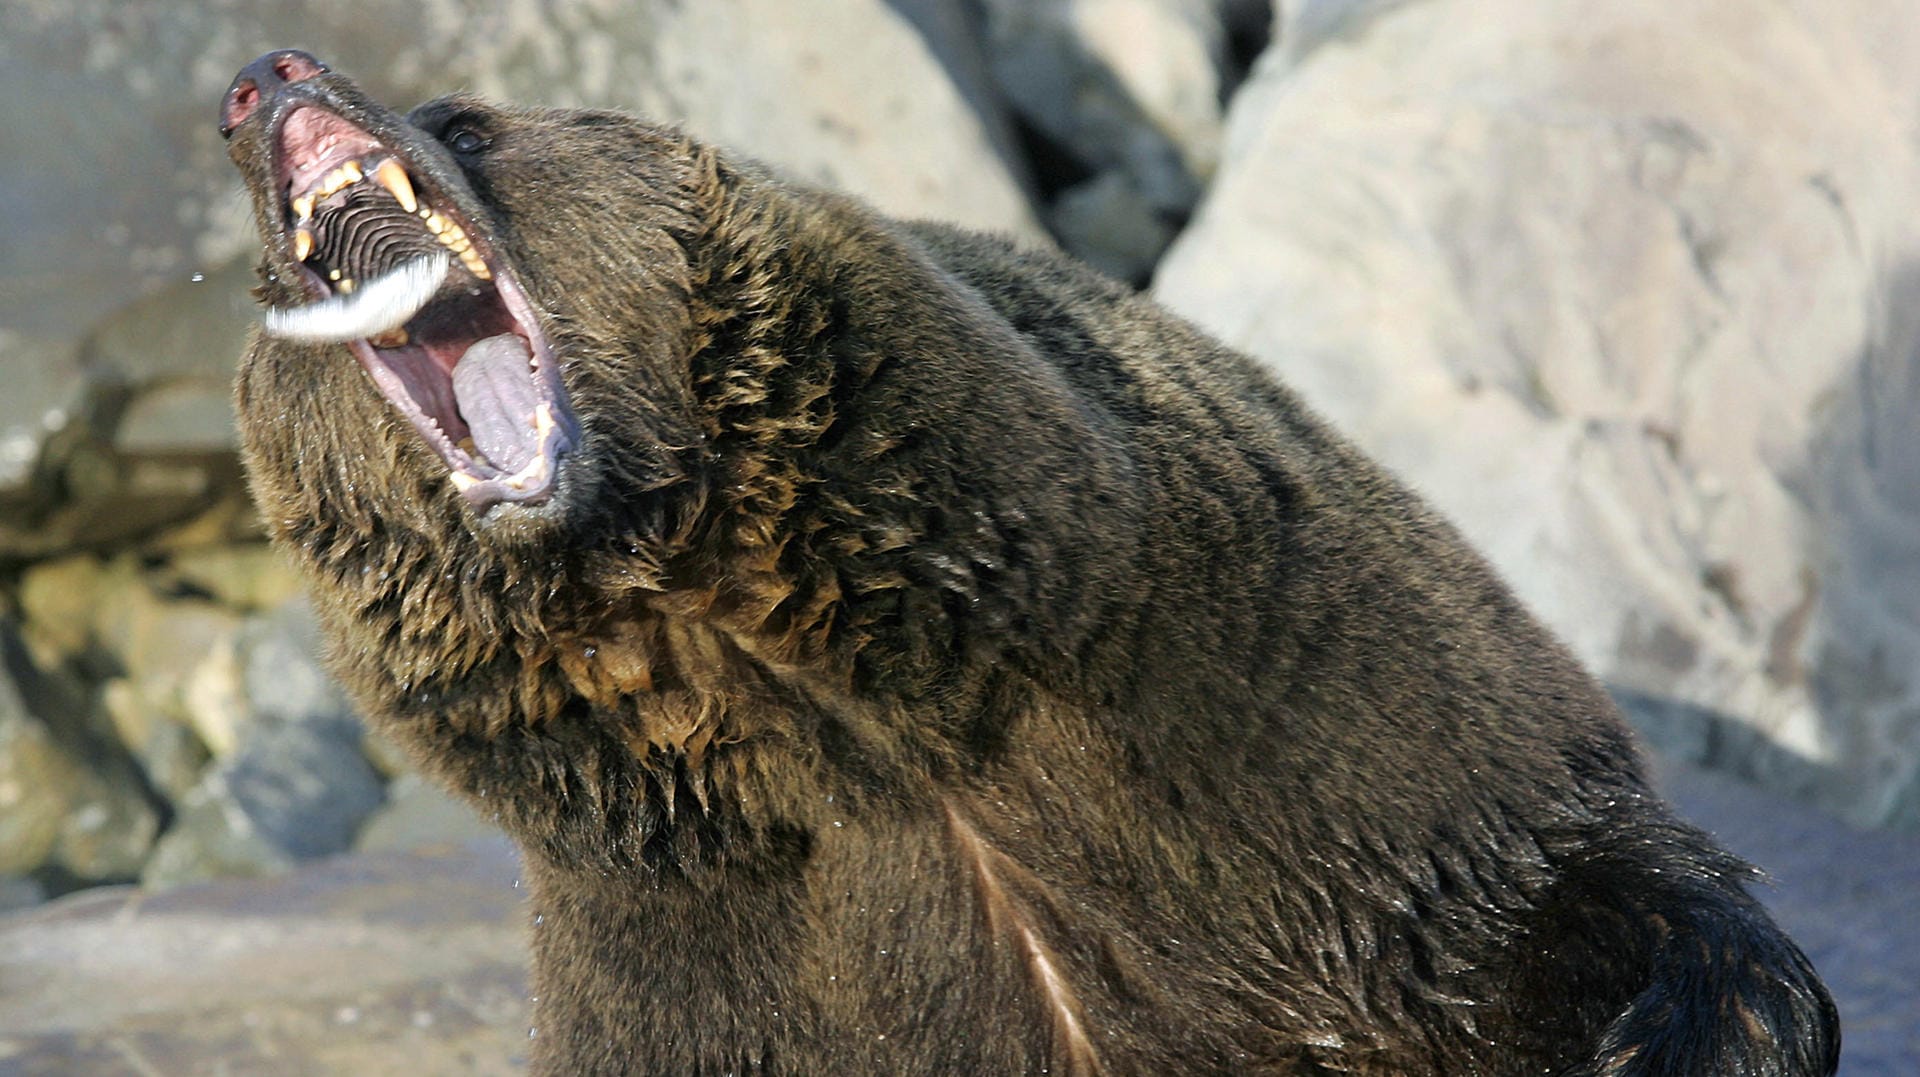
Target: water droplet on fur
point(198, 277)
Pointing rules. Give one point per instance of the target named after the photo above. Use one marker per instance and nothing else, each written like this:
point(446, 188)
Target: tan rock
point(168, 750)
point(249, 577)
point(58, 599)
point(36, 790)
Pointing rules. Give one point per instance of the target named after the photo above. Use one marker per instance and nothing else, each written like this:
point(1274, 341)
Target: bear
point(897, 651)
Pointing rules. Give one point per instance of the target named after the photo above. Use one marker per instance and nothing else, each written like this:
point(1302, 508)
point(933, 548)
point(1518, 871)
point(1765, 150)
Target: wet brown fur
point(939, 659)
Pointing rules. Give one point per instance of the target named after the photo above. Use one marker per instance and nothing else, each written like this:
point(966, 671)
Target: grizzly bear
point(898, 652)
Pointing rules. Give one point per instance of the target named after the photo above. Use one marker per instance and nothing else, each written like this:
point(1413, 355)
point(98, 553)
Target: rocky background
point(1629, 288)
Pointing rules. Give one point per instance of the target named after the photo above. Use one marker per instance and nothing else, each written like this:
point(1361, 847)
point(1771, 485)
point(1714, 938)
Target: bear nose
point(260, 80)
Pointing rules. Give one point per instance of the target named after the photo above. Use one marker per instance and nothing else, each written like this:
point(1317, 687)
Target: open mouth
point(439, 323)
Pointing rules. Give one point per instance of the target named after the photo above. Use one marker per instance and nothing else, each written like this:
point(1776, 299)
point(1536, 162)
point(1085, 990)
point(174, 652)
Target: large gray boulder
point(1628, 289)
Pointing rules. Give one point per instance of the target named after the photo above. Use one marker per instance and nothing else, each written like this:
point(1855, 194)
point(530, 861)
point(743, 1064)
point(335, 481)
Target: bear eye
point(465, 140)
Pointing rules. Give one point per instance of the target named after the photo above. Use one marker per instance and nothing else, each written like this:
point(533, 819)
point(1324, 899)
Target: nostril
point(240, 103)
point(261, 80)
point(295, 66)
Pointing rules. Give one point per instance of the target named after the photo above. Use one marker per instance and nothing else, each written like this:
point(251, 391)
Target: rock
point(251, 577)
point(211, 839)
point(46, 391)
point(19, 892)
point(369, 965)
point(130, 428)
point(223, 522)
point(64, 800)
point(955, 33)
point(421, 817)
point(1131, 86)
point(59, 600)
point(281, 671)
point(1107, 224)
point(107, 833)
point(161, 445)
point(180, 659)
point(292, 792)
point(1649, 340)
point(1306, 25)
point(846, 94)
point(169, 752)
point(292, 782)
point(37, 783)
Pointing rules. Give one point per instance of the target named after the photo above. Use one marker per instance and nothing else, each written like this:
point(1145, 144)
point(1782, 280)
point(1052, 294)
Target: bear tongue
point(493, 383)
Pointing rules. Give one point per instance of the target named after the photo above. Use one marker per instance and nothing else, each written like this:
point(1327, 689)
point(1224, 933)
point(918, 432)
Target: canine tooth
point(393, 176)
point(535, 471)
point(302, 245)
point(303, 207)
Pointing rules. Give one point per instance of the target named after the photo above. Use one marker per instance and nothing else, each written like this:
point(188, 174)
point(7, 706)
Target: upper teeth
point(392, 175)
